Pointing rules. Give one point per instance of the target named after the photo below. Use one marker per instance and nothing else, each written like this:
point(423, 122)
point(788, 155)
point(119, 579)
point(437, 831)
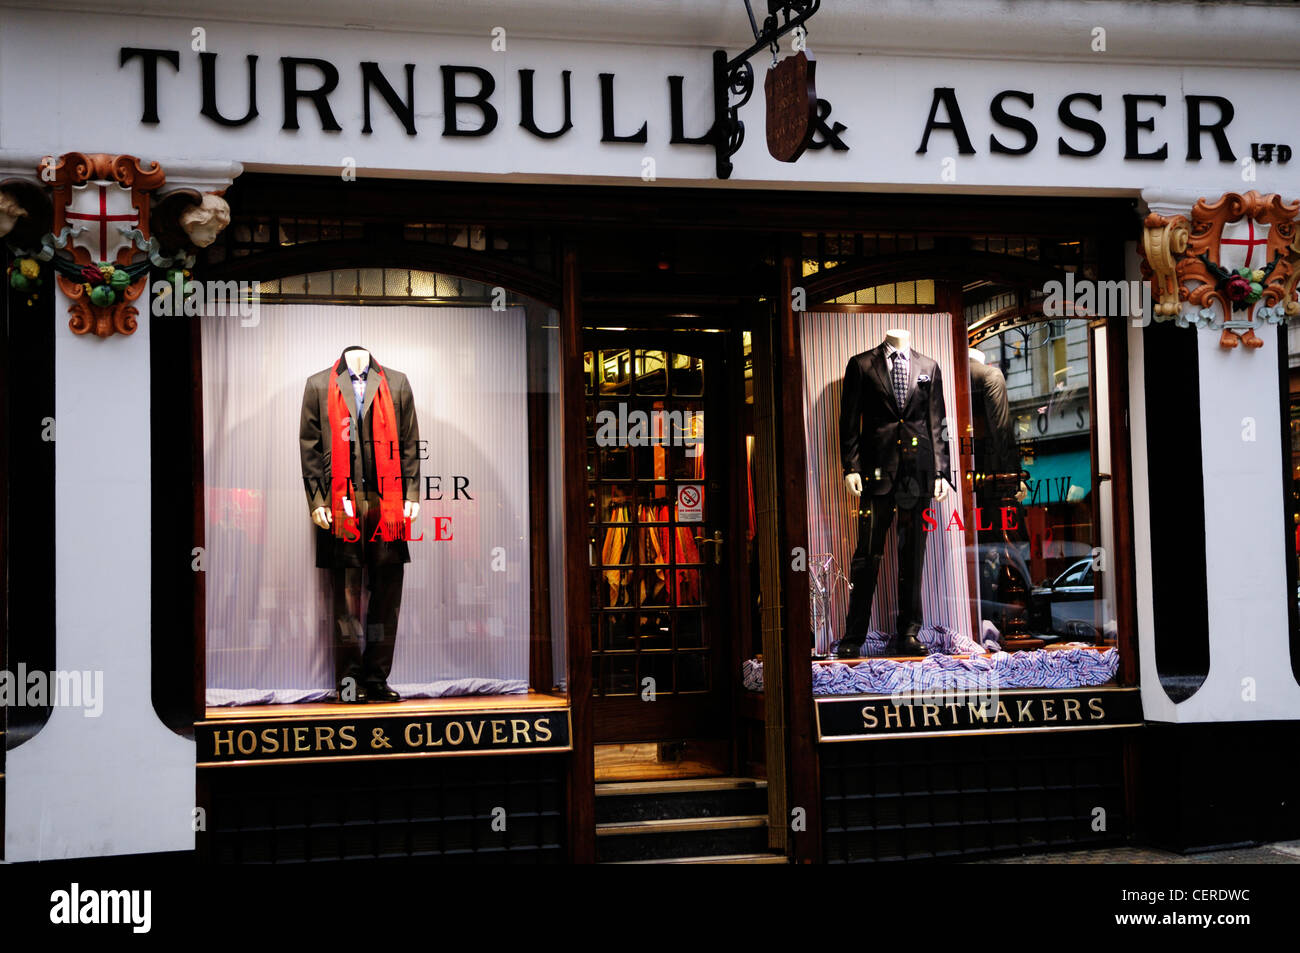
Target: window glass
point(415, 567)
point(952, 494)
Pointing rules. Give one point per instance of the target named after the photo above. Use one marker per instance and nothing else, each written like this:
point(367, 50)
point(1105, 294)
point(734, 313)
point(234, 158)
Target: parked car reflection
point(1063, 610)
point(1068, 605)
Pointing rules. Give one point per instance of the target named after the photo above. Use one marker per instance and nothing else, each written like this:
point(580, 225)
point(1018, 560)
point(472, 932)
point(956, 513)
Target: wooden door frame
point(712, 347)
point(738, 586)
point(802, 764)
point(580, 796)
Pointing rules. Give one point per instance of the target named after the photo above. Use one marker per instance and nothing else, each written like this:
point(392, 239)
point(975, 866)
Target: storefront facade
point(624, 634)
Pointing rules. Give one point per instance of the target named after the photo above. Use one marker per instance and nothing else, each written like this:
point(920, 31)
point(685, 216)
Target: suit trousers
point(875, 515)
point(366, 654)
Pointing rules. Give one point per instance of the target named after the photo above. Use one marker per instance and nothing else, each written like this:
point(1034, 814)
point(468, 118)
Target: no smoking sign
point(690, 503)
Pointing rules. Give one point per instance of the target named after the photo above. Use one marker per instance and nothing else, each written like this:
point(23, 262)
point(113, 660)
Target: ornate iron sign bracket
point(733, 79)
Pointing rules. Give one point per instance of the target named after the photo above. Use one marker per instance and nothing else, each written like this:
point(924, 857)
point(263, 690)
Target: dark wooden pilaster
point(804, 781)
point(581, 793)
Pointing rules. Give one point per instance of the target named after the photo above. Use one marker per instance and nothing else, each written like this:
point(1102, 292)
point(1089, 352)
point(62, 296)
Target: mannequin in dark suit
point(995, 439)
point(362, 660)
point(895, 456)
point(997, 484)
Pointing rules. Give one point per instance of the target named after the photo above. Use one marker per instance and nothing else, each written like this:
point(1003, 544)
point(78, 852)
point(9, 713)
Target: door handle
point(716, 541)
point(700, 543)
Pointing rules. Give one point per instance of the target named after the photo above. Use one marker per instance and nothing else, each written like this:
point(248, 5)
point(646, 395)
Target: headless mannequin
point(902, 340)
point(358, 359)
point(980, 357)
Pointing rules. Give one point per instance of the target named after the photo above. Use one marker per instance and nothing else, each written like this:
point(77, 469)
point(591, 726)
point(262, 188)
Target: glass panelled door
point(658, 528)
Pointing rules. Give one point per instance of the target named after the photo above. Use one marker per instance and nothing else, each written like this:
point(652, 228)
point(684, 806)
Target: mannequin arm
point(311, 451)
point(410, 448)
point(938, 417)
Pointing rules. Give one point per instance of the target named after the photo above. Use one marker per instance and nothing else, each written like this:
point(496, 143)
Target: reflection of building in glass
point(1046, 367)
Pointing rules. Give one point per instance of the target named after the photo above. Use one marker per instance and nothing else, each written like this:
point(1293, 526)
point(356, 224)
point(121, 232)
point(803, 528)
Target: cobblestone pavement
point(1283, 852)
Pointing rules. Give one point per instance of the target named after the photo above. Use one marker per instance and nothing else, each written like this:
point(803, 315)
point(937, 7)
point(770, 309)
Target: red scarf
point(388, 460)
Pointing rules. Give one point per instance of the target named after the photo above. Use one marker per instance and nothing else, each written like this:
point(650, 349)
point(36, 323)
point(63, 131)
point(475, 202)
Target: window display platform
point(1066, 666)
point(407, 706)
point(319, 731)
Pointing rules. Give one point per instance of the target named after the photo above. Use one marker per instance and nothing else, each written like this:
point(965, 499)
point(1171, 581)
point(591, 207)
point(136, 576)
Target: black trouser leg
point(911, 563)
point(875, 513)
point(348, 637)
point(381, 620)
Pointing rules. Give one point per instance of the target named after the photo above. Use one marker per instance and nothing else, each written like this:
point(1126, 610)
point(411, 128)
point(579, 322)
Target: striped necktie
point(900, 378)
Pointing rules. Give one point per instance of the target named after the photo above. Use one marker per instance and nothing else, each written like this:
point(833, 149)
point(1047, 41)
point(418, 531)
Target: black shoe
point(378, 691)
point(909, 644)
point(846, 648)
point(351, 691)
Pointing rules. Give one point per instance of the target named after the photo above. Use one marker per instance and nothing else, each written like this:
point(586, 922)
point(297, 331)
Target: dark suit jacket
point(995, 440)
point(315, 447)
point(876, 435)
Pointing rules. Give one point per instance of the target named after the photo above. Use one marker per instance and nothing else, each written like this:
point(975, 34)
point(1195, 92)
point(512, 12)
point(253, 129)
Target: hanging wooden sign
point(791, 106)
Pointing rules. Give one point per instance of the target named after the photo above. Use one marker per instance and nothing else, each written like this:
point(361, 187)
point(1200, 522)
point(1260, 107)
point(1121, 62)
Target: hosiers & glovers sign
point(419, 734)
point(867, 717)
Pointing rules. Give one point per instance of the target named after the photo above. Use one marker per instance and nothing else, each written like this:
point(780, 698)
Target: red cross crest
point(1231, 265)
point(98, 196)
point(1243, 245)
point(1237, 269)
point(96, 199)
point(101, 210)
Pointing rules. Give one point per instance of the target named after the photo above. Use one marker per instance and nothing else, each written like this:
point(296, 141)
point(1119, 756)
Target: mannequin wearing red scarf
point(361, 510)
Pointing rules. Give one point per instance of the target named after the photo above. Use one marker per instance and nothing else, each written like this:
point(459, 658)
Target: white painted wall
point(1245, 543)
point(1250, 676)
point(1145, 32)
point(121, 782)
point(883, 99)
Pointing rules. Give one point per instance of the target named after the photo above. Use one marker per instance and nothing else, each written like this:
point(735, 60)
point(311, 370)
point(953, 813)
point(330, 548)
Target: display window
point(960, 511)
point(419, 568)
